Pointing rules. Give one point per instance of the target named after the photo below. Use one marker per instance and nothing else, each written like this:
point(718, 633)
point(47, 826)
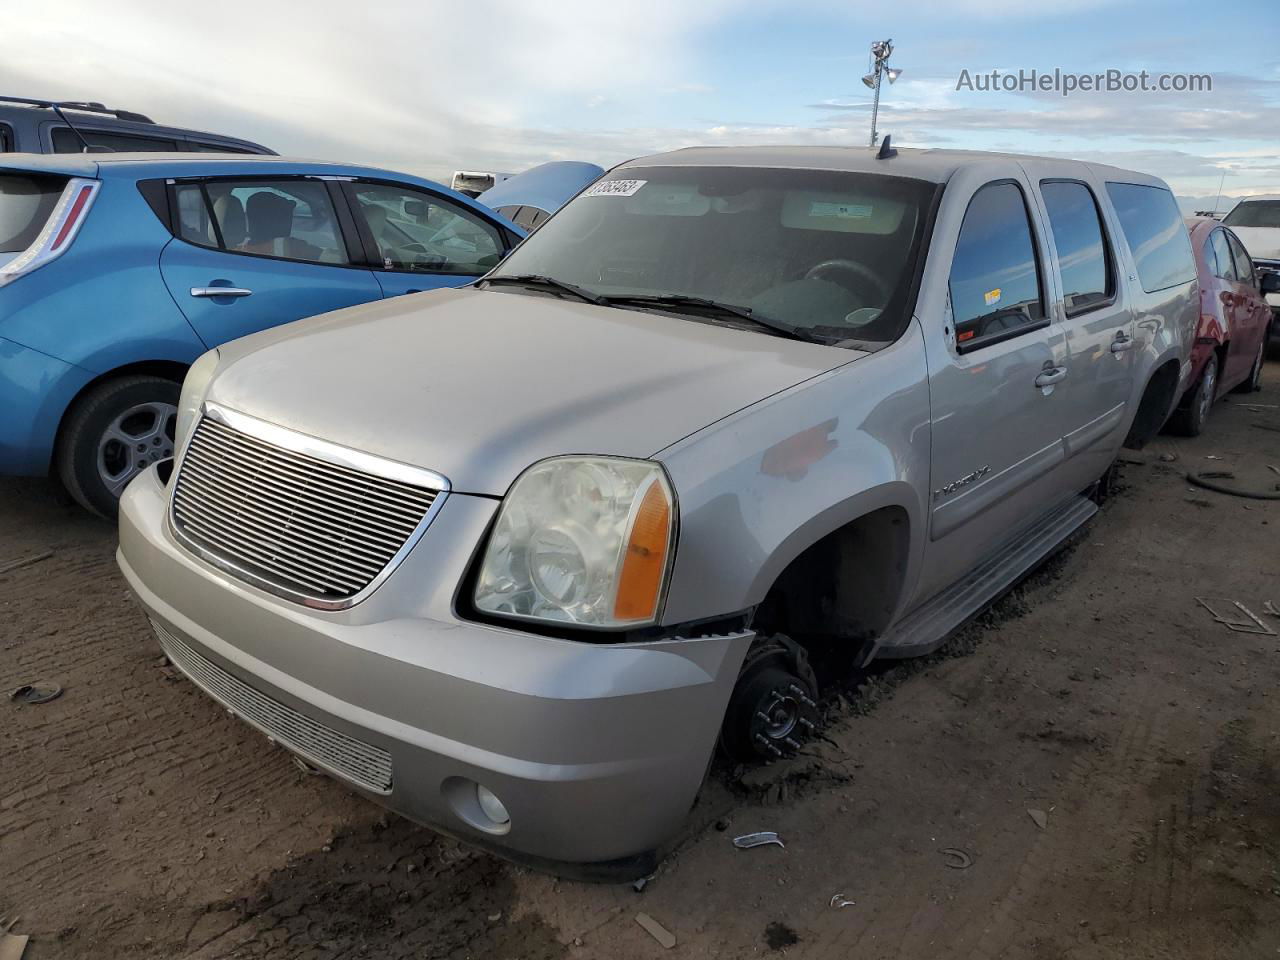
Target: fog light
point(491, 806)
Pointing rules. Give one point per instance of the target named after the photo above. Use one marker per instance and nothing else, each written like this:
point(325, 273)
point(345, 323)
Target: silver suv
point(511, 559)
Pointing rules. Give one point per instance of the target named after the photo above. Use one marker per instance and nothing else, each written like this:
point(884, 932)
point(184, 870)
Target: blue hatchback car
point(118, 270)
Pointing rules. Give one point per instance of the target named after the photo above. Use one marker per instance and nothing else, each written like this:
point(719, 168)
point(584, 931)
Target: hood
point(479, 384)
point(1263, 243)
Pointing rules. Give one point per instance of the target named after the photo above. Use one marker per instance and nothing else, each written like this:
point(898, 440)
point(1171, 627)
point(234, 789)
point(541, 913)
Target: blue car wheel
point(113, 433)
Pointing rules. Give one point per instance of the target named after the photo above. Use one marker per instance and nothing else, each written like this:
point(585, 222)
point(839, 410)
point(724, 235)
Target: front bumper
point(596, 750)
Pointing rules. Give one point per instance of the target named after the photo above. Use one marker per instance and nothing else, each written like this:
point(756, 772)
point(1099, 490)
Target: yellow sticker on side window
point(992, 296)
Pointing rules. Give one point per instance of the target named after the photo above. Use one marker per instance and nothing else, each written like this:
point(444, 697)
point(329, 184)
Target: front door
point(421, 241)
point(252, 254)
point(995, 381)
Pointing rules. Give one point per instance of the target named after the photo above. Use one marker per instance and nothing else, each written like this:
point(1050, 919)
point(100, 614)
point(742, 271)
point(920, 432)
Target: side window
point(195, 225)
point(1244, 265)
point(1082, 251)
point(197, 146)
point(995, 274)
point(1218, 253)
point(65, 141)
point(1155, 233)
point(6, 138)
point(416, 231)
point(531, 217)
point(287, 219)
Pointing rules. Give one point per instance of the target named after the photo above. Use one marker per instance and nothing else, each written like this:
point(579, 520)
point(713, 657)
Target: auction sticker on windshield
point(615, 188)
point(843, 210)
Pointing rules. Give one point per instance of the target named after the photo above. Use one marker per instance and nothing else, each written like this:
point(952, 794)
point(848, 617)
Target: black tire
point(1254, 383)
point(748, 738)
point(83, 438)
point(1190, 417)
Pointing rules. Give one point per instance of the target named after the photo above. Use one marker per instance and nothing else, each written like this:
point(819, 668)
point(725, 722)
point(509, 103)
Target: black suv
point(42, 126)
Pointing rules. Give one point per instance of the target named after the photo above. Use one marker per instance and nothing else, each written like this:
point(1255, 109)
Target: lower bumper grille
point(363, 764)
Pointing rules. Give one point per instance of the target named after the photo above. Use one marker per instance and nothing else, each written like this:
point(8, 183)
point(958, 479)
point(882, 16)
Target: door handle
point(1123, 342)
point(220, 292)
point(1050, 376)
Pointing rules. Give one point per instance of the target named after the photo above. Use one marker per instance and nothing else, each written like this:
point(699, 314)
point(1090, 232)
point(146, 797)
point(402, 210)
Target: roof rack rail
point(85, 106)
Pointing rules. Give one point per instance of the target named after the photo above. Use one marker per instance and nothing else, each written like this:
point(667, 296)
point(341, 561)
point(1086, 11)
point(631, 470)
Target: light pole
point(879, 67)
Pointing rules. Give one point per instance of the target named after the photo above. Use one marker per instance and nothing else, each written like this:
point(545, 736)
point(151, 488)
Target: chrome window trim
point(329, 452)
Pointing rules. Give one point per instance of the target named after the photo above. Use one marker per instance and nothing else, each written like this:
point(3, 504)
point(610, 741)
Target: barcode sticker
point(614, 188)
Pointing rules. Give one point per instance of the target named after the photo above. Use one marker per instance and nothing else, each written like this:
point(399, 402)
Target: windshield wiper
point(705, 305)
point(550, 283)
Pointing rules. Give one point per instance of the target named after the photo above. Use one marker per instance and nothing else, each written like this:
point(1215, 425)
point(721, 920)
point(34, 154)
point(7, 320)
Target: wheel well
point(842, 590)
point(168, 369)
point(1157, 402)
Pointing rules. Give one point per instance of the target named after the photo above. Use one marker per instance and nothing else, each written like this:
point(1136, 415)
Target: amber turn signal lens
point(645, 560)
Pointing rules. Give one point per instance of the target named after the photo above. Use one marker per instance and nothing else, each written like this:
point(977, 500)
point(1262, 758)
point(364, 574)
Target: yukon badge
point(950, 488)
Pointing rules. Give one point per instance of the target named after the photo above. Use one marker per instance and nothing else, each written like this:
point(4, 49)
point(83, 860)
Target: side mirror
point(416, 208)
point(1270, 282)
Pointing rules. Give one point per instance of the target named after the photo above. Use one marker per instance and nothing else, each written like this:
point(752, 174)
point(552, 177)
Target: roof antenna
point(57, 109)
point(886, 151)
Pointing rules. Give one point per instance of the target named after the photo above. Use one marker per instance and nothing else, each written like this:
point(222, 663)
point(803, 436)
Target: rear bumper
point(596, 751)
point(35, 390)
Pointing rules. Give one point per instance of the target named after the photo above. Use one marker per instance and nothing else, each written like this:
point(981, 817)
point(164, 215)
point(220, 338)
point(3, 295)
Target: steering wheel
point(862, 275)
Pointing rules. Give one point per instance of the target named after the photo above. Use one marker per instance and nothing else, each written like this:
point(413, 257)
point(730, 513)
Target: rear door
point(252, 253)
point(1092, 308)
point(1218, 297)
point(1250, 314)
point(417, 240)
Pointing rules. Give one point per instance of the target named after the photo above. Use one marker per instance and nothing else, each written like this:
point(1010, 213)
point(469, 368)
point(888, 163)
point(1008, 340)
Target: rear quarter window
point(25, 204)
point(1156, 234)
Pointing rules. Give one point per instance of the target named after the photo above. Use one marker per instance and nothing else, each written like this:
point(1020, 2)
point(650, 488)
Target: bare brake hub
point(790, 716)
point(773, 710)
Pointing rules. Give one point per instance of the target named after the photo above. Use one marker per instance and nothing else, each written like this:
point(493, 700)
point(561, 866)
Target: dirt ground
point(1104, 753)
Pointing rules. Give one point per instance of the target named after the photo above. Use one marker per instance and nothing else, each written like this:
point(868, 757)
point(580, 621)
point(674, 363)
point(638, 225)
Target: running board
point(925, 629)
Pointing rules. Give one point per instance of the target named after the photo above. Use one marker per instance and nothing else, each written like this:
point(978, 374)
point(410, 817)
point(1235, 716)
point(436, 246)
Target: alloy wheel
point(140, 436)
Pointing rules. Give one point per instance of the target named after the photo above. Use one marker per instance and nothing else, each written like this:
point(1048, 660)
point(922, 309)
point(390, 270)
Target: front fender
point(759, 487)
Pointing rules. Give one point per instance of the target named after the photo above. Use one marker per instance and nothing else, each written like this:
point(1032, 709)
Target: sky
point(429, 87)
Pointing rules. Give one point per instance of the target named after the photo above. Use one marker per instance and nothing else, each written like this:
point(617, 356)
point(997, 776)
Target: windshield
point(1254, 213)
point(827, 254)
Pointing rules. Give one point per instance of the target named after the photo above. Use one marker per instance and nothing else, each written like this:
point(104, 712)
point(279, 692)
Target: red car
point(1234, 317)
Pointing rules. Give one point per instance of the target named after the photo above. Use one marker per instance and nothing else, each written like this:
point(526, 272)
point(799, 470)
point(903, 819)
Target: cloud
point(420, 87)
point(412, 87)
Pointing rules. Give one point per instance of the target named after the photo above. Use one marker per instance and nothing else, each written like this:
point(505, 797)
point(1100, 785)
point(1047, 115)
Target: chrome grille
point(361, 763)
point(316, 530)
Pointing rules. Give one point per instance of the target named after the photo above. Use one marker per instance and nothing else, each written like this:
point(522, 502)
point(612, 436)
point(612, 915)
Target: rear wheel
point(112, 434)
point(1189, 419)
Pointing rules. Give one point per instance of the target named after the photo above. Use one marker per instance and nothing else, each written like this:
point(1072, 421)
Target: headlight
point(194, 388)
point(585, 540)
